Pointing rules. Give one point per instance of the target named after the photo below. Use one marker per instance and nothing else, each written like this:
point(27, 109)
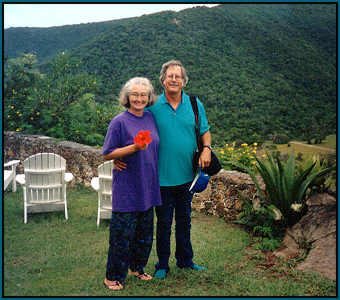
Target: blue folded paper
point(200, 182)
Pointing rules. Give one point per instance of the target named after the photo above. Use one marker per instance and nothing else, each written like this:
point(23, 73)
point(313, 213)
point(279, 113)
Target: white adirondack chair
point(103, 185)
point(9, 175)
point(44, 184)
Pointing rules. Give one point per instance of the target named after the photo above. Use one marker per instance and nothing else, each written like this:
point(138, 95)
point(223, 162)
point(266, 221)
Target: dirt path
point(318, 147)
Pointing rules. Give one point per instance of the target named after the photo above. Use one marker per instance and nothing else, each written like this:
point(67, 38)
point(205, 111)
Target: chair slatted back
point(105, 183)
point(44, 174)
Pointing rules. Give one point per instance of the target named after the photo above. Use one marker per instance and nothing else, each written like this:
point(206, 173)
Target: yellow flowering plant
point(243, 154)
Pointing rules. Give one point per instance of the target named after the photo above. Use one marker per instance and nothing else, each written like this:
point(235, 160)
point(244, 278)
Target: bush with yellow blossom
point(243, 154)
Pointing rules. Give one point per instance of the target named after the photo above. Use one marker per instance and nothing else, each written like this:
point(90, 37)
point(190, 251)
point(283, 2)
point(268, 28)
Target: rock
point(315, 231)
point(238, 205)
point(321, 200)
point(322, 257)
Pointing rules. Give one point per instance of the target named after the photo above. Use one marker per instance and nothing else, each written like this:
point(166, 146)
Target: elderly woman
point(135, 191)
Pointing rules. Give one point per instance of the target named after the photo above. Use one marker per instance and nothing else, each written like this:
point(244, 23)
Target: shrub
point(267, 244)
point(299, 156)
point(243, 154)
point(320, 184)
point(280, 139)
point(285, 186)
point(263, 222)
point(86, 121)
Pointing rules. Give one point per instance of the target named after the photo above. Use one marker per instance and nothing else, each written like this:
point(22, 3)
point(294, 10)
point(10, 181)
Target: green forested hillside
point(48, 42)
point(263, 71)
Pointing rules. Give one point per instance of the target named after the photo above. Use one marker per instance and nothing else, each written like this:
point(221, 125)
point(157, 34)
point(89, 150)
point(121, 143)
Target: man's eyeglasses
point(135, 95)
point(177, 77)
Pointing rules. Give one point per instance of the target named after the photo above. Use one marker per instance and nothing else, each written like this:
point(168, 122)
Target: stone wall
point(82, 161)
point(225, 193)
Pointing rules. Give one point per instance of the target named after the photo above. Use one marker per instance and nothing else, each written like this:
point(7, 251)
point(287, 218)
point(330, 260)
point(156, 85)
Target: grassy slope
point(326, 147)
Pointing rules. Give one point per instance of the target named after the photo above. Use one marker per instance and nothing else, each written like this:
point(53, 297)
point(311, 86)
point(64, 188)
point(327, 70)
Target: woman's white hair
point(126, 90)
point(170, 63)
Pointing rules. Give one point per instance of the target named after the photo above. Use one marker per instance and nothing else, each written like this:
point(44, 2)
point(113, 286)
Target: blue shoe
point(160, 274)
point(198, 268)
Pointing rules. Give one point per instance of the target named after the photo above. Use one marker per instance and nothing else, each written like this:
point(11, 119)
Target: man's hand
point(205, 158)
point(119, 165)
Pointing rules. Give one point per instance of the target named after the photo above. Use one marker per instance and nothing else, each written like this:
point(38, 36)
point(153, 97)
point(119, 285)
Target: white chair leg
point(98, 217)
point(14, 183)
point(25, 205)
point(66, 213)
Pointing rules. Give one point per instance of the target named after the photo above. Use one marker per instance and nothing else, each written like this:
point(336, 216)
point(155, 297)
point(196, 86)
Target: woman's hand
point(119, 165)
point(138, 147)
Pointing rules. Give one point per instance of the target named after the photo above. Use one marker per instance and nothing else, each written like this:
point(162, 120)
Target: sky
point(48, 15)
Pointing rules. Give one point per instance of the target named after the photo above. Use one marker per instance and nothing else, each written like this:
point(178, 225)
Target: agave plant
point(320, 184)
point(285, 187)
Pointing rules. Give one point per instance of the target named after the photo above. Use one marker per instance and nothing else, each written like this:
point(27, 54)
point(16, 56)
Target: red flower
point(143, 137)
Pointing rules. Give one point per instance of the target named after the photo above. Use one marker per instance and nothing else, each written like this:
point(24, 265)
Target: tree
point(20, 78)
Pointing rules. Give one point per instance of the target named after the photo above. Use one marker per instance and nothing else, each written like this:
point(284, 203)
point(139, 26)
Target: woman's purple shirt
point(137, 187)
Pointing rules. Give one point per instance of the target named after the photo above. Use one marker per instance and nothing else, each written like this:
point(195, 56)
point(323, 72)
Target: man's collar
point(166, 100)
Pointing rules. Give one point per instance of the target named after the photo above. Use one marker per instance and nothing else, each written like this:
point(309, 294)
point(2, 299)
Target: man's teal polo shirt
point(176, 129)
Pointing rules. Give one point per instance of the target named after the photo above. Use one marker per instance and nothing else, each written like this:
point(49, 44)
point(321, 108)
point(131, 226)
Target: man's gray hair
point(126, 90)
point(165, 67)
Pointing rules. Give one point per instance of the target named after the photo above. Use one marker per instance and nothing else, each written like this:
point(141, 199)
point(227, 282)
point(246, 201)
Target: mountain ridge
point(257, 68)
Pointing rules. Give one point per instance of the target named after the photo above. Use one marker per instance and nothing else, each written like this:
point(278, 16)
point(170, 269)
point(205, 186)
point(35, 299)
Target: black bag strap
point(194, 106)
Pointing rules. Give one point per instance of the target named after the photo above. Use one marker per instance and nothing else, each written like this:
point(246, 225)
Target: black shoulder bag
point(215, 165)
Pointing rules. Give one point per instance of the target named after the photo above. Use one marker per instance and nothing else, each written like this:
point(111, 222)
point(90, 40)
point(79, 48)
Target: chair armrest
point(12, 163)
point(68, 177)
point(95, 183)
point(20, 178)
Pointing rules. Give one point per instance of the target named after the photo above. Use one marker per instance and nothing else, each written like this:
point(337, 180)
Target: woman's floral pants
point(131, 237)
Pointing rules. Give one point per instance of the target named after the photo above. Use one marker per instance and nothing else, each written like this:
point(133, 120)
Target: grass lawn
point(305, 149)
point(326, 147)
point(50, 256)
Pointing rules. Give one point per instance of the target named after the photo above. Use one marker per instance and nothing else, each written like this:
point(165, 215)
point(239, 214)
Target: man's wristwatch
point(207, 146)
